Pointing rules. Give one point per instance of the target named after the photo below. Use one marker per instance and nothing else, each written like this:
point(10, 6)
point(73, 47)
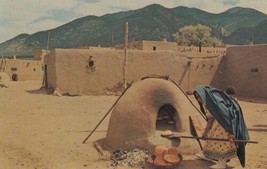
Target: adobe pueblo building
point(20, 69)
point(23, 69)
point(101, 71)
point(244, 67)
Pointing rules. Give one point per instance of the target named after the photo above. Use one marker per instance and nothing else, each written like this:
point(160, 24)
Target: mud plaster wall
point(245, 69)
point(209, 50)
point(24, 69)
point(186, 72)
point(172, 46)
point(73, 76)
point(50, 63)
point(150, 45)
point(132, 125)
point(40, 54)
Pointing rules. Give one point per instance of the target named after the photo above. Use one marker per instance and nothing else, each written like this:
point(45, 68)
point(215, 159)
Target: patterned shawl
point(228, 113)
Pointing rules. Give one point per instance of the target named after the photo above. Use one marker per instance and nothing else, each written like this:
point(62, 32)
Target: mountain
point(256, 34)
point(153, 22)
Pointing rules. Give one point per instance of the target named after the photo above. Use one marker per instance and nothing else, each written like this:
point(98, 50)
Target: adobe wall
point(172, 46)
point(39, 54)
point(24, 69)
point(245, 69)
point(159, 45)
point(150, 45)
point(73, 76)
point(50, 66)
point(188, 71)
point(134, 45)
point(209, 50)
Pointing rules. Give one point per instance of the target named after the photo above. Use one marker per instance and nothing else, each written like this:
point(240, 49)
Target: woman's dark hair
point(230, 90)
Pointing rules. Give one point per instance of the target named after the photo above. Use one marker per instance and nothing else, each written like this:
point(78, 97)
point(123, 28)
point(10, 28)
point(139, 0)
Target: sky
point(31, 16)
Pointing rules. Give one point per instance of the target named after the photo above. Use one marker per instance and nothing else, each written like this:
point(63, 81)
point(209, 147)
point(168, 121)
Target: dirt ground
point(41, 131)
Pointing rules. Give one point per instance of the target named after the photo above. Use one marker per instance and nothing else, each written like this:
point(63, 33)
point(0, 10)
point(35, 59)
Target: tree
point(197, 35)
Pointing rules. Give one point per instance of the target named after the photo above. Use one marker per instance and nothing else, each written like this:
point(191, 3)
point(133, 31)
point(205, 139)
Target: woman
point(224, 120)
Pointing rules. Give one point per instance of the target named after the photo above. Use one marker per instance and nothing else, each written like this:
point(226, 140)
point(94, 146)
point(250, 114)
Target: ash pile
point(132, 158)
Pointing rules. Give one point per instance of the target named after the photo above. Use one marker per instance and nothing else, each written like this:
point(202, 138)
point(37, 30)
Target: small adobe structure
point(21, 69)
point(24, 69)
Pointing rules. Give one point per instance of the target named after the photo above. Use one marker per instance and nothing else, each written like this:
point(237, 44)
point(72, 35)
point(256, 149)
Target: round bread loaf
point(173, 151)
point(159, 161)
point(170, 158)
point(167, 133)
point(160, 150)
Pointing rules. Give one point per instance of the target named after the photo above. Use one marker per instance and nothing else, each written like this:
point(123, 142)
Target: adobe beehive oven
point(133, 121)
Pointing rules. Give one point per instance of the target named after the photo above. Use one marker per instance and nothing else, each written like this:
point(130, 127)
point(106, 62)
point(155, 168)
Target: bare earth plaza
point(46, 128)
point(140, 104)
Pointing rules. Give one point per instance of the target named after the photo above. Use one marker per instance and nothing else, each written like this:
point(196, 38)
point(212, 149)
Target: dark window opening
point(154, 48)
point(166, 118)
point(254, 70)
point(34, 69)
point(13, 69)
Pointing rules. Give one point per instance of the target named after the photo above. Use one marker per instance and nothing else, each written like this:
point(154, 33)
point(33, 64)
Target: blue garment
point(228, 113)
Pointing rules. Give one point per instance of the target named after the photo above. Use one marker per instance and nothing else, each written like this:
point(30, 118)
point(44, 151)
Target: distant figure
point(224, 120)
point(91, 64)
point(230, 90)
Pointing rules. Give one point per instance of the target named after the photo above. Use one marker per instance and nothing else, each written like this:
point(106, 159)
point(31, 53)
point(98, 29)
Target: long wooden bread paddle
point(172, 135)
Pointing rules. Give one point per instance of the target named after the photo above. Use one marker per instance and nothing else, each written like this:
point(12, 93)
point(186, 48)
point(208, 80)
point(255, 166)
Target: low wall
point(71, 72)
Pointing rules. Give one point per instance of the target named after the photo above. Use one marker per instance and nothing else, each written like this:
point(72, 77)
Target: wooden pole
point(188, 76)
point(187, 98)
point(112, 40)
point(48, 39)
point(125, 56)
point(106, 114)
point(194, 132)
point(212, 139)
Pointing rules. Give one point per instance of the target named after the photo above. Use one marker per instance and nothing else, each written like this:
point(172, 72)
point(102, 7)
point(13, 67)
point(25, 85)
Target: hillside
point(153, 22)
point(257, 34)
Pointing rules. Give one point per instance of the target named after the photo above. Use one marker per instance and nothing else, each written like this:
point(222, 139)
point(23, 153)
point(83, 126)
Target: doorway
point(14, 77)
